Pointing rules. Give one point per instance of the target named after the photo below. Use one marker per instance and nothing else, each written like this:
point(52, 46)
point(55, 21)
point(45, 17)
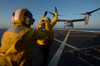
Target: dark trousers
point(44, 54)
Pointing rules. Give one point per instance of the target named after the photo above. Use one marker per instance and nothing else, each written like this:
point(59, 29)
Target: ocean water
point(2, 30)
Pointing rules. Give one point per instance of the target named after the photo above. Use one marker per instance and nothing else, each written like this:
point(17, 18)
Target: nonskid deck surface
point(73, 48)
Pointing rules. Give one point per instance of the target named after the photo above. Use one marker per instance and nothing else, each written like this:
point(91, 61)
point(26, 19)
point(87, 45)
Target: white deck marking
point(67, 44)
point(72, 46)
point(98, 58)
point(54, 61)
point(84, 35)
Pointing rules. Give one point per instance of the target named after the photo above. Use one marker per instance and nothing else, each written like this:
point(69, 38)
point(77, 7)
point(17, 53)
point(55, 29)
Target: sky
point(67, 8)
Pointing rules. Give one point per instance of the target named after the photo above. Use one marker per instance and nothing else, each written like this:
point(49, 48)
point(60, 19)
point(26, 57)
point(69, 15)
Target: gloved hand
point(55, 9)
point(45, 13)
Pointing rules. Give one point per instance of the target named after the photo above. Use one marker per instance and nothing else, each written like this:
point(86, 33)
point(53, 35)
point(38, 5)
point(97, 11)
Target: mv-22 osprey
point(69, 23)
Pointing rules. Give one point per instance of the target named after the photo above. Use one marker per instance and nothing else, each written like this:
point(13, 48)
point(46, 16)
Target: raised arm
point(53, 22)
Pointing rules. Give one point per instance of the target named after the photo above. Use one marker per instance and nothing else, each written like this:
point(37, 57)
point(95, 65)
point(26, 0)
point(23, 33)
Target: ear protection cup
point(29, 20)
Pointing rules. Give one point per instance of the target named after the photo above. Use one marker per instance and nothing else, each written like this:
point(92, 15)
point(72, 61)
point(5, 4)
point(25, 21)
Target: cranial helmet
point(47, 19)
point(21, 16)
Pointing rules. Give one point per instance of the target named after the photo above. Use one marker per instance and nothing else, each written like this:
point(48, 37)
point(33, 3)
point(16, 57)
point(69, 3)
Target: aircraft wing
point(76, 20)
point(61, 20)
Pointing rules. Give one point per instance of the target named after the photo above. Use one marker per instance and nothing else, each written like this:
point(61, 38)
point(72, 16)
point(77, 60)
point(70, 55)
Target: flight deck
point(74, 48)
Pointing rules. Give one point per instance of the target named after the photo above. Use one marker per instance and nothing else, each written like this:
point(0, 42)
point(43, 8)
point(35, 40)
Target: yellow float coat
point(48, 26)
point(17, 45)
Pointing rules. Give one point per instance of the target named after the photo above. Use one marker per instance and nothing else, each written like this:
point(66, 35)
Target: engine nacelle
point(86, 19)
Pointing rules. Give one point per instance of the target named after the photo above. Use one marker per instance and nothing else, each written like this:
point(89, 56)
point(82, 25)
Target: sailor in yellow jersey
point(44, 44)
point(17, 42)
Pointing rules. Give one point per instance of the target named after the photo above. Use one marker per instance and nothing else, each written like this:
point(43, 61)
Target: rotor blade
point(94, 10)
point(82, 14)
point(89, 13)
point(52, 13)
